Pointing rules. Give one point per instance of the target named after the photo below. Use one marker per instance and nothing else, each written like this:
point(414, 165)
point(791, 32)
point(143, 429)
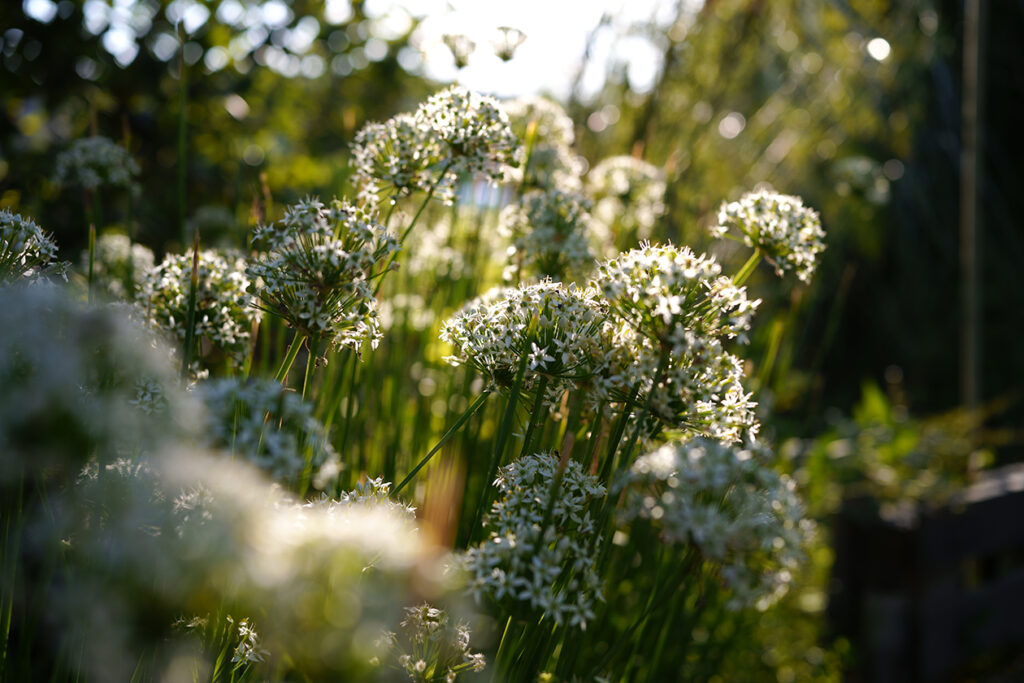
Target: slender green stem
point(314, 352)
point(452, 431)
point(415, 218)
point(747, 268)
point(537, 416)
point(286, 363)
point(182, 129)
point(499, 445)
point(92, 257)
point(190, 328)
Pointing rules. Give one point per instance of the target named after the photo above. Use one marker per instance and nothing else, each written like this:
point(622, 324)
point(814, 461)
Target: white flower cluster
point(555, 327)
point(319, 271)
point(70, 379)
point(271, 427)
point(550, 231)
point(224, 309)
point(538, 553)
point(25, 248)
point(226, 539)
point(788, 233)
point(473, 131)
point(660, 288)
point(546, 159)
point(629, 196)
point(373, 492)
point(96, 162)
point(727, 501)
point(430, 647)
point(118, 264)
point(674, 310)
point(396, 158)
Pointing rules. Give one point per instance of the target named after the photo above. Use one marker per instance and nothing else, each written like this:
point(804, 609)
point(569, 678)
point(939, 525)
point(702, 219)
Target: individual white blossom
point(96, 162)
point(119, 264)
point(554, 327)
point(550, 233)
point(268, 425)
point(727, 502)
point(26, 250)
point(546, 159)
point(538, 553)
point(786, 232)
point(429, 646)
point(224, 313)
point(398, 157)
point(629, 196)
point(249, 648)
point(320, 271)
point(473, 131)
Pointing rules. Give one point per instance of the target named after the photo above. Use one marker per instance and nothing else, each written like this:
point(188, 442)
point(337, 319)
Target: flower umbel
point(550, 233)
point(538, 557)
point(96, 162)
point(788, 233)
point(224, 310)
point(26, 250)
point(319, 271)
point(729, 503)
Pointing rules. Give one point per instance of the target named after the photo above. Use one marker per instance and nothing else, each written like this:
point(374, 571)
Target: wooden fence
point(933, 595)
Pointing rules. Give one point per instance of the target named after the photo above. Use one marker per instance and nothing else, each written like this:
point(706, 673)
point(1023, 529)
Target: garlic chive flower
point(537, 557)
point(75, 382)
point(545, 158)
point(657, 288)
point(396, 158)
point(26, 250)
point(672, 309)
point(629, 196)
point(260, 421)
point(555, 327)
point(473, 132)
point(550, 233)
point(727, 502)
point(700, 389)
point(430, 647)
point(785, 231)
point(319, 273)
point(118, 264)
point(224, 311)
point(96, 162)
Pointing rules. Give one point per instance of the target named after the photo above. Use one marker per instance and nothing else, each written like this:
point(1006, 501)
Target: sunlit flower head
point(473, 131)
point(320, 270)
point(224, 308)
point(96, 162)
point(727, 502)
point(658, 288)
point(550, 232)
point(396, 158)
point(786, 232)
point(538, 556)
point(553, 328)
